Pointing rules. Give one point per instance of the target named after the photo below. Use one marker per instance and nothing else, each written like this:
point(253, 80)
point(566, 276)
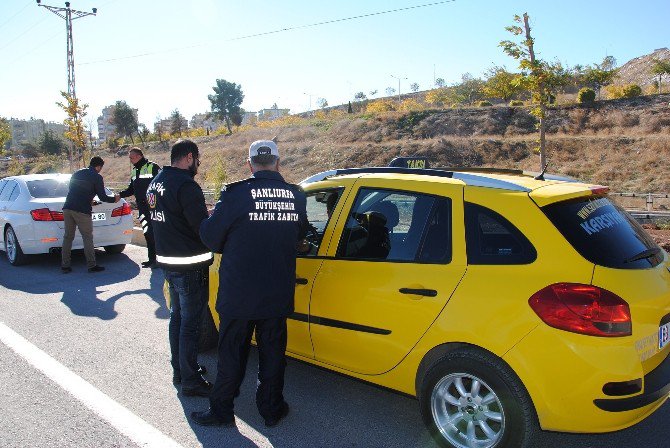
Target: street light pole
point(310, 99)
point(399, 78)
point(67, 14)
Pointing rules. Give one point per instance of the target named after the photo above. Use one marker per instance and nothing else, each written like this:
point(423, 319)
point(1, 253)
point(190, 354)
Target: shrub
point(515, 103)
point(624, 91)
point(380, 106)
point(410, 105)
point(484, 104)
point(586, 96)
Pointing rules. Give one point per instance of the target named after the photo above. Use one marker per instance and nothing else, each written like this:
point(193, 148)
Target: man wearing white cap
point(256, 226)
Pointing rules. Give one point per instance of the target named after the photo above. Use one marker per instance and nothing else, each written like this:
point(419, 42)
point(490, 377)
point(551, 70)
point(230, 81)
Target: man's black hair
point(136, 150)
point(96, 161)
point(181, 149)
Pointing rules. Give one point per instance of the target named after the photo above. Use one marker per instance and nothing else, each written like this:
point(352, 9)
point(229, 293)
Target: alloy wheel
point(467, 412)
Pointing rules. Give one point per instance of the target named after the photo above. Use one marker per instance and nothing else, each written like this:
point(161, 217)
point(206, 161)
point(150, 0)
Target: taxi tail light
point(44, 214)
point(583, 309)
point(122, 211)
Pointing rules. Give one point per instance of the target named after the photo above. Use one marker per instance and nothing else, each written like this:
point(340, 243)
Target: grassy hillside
point(621, 143)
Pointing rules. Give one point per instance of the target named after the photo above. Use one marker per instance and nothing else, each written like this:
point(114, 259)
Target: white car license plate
point(99, 216)
point(663, 335)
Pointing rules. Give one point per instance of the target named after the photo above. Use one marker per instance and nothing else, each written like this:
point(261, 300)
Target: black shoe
point(96, 268)
point(149, 264)
point(201, 390)
point(209, 418)
point(273, 421)
point(66, 270)
point(176, 376)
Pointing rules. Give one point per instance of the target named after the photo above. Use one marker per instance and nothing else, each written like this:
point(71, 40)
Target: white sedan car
point(31, 218)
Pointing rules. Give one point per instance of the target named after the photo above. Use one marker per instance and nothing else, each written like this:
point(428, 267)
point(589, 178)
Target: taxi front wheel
point(470, 398)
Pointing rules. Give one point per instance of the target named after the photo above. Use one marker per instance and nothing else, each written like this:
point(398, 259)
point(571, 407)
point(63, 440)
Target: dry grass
point(621, 143)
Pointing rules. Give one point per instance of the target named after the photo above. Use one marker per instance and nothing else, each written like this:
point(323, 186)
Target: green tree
point(414, 87)
point(469, 90)
point(322, 103)
point(143, 132)
point(659, 68)
point(124, 120)
point(601, 75)
point(177, 123)
point(226, 101)
point(535, 75)
point(49, 143)
point(5, 133)
point(373, 92)
point(502, 84)
point(75, 131)
point(360, 96)
point(390, 91)
point(439, 82)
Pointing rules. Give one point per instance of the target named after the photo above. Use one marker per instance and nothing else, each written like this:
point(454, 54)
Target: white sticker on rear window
point(604, 221)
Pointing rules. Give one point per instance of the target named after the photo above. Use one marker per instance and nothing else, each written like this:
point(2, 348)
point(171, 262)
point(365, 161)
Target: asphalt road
point(84, 363)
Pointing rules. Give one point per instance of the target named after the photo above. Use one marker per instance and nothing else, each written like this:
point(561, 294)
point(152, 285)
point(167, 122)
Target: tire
point(13, 250)
point(209, 336)
point(469, 394)
point(115, 249)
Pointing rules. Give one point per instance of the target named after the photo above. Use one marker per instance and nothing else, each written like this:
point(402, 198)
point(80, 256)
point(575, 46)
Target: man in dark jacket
point(141, 175)
point(176, 208)
point(256, 226)
point(85, 184)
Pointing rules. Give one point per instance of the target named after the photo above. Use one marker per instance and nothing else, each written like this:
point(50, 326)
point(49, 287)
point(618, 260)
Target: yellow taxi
point(505, 302)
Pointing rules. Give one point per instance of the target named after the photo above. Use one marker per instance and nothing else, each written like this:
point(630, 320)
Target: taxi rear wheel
point(470, 398)
point(13, 249)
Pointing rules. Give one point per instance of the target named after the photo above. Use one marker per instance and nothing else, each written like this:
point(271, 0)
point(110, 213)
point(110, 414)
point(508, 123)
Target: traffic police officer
point(141, 175)
point(177, 207)
point(256, 226)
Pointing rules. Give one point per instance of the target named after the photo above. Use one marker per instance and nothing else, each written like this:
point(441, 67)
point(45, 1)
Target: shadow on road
point(80, 288)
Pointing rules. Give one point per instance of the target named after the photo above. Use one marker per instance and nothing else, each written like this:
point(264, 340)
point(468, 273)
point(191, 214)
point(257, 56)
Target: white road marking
point(118, 416)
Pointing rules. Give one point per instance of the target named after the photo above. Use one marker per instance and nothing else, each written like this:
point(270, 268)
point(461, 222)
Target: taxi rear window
point(603, 233)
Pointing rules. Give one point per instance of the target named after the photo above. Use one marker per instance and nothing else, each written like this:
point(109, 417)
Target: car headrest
point(390, 211)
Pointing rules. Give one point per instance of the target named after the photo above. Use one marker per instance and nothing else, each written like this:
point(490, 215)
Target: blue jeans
point(189, 293)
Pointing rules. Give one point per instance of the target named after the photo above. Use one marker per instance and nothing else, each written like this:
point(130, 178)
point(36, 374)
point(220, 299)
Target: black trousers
point(147, 229)
point(234, 342)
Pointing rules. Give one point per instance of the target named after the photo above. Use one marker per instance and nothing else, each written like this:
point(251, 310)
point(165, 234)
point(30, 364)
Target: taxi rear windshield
point(604, 233)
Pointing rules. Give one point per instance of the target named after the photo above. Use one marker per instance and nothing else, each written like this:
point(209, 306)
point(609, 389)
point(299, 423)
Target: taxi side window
point(492, 239)
point(387, 225)
point(320, 207)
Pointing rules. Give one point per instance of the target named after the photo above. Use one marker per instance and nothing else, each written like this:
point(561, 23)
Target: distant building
point(105, 127)
point(272, 113)
point(249, 118)
point(30, 131)
point(206, 121)
point(165, 125)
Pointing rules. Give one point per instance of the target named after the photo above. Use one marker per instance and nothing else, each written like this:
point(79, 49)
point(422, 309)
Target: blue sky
point(158, 56)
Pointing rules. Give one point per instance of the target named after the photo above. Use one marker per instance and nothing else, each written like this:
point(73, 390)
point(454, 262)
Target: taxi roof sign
point(410, 162)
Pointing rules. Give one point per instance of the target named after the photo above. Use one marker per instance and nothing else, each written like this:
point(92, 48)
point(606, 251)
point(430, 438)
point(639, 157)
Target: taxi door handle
point(419, 292)
point(300, 281)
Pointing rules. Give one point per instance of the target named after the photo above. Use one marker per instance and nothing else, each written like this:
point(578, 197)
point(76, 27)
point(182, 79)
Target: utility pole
point(69, 15)
point(398, 78)
point(541, 94)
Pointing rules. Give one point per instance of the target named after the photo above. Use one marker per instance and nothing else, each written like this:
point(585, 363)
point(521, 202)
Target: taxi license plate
point(99, 216)
point(663, 335)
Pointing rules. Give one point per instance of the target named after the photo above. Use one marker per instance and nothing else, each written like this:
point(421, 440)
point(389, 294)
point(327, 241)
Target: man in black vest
point(256, 226)
point(143, 172)
point(85, 184)
point(177, 207)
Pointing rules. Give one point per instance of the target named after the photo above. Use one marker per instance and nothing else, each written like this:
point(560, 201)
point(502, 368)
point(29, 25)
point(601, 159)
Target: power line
point(17, 13)
point(280, 30)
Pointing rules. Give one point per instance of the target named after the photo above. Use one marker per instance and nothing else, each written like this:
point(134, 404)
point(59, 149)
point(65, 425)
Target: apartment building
point(106, 129)
point(30, 131)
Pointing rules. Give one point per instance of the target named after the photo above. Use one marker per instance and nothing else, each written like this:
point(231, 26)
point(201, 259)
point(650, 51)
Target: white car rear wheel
point(13, 249)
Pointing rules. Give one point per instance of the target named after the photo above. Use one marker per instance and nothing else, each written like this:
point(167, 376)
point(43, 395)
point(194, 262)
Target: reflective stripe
point(184, 260)
point(145, 229)
point(146, 176)
point(141, 217)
